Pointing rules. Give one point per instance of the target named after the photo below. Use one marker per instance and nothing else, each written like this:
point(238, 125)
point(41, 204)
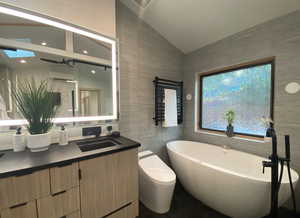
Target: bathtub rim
point(168, 145)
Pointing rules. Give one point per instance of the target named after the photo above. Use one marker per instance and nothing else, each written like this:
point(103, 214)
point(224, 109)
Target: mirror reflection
point(77, 67)
point(81, 88)
point(91, 47)
point(31, 32)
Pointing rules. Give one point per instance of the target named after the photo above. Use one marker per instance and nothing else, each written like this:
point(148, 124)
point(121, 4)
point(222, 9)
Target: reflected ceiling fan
point(72, 62)
point(69, 63)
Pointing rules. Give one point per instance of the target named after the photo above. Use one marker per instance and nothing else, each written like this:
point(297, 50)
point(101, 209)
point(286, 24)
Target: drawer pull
point(18, 205)
point(79, 174)
point(59, 193)
point(117, 210)
point(63, 217)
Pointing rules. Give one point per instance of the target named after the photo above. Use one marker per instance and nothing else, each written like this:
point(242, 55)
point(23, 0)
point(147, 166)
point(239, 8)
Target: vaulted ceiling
point(192, 24)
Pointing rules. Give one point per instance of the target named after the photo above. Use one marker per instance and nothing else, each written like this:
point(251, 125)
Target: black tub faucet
point(273, 163)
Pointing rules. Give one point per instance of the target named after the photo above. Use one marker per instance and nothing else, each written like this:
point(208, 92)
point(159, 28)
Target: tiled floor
point(185, 206)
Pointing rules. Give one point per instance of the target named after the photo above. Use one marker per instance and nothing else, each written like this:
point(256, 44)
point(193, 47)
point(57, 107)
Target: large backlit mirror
point(79, 65)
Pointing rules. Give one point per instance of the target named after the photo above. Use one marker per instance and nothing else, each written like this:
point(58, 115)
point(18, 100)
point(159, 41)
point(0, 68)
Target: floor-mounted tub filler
point(229, 181)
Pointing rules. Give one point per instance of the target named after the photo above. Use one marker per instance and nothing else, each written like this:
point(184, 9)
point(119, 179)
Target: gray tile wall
point(144, 54)
point(280, 38)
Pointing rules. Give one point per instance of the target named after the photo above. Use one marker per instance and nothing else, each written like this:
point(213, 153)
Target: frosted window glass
point(247, 91)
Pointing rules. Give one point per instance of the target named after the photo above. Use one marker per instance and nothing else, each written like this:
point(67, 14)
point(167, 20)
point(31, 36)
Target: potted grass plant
point(229, 116)
point(36, 104)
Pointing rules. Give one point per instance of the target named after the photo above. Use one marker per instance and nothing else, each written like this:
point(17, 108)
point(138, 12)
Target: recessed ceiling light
point(85, 52)
point(23, 61)
point(93, 71)
point(44, 43)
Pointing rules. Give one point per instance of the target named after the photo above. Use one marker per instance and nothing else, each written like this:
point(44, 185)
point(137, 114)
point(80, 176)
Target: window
point(247, 89)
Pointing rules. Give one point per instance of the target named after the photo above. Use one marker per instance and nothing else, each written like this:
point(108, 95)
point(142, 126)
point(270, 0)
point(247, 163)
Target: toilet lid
point(157, 170)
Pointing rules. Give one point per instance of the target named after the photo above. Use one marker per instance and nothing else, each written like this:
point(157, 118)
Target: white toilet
point(156, 182)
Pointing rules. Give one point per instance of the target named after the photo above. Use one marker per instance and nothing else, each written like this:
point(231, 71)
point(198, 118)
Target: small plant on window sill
point(267, 122)
point(229, 116)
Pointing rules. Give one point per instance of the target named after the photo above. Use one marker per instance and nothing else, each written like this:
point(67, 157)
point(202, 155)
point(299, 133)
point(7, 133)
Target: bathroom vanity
point(70, 183)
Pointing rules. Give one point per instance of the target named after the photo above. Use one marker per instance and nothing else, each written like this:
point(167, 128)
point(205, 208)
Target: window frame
point(255, 63)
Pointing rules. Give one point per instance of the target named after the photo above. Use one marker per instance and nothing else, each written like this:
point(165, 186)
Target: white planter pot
point(39, 142)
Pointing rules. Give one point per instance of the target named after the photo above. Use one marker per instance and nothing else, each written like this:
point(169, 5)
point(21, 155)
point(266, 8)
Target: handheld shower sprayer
point(287, 148)
point(288, 160)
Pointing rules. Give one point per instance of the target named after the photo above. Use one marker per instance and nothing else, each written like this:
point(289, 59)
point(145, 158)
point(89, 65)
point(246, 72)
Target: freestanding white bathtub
point(229, 181)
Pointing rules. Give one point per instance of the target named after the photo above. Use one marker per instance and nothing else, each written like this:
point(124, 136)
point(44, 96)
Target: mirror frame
point(29, 15)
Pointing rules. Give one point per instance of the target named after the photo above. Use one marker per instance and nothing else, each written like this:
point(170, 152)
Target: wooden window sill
point(236, 136)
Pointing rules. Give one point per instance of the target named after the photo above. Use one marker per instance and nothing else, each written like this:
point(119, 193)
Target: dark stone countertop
point(21, 163)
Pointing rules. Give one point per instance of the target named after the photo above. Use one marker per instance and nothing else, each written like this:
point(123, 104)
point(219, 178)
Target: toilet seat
point(152, 166)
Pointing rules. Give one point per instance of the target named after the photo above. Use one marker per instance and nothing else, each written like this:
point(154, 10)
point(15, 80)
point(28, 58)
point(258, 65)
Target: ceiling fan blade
point(91, 63)
point(52, 61)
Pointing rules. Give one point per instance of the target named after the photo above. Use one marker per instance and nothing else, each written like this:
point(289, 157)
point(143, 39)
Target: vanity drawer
point(64, 177)
point(16, 190)
point(25, 210)
point(60, 204)
point(129, 211)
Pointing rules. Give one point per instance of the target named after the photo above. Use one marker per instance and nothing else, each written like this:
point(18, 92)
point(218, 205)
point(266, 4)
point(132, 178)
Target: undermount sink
point(97, 143)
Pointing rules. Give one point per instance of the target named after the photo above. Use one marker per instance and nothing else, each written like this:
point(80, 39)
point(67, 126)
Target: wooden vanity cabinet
point(108, 183)
point(105, 186)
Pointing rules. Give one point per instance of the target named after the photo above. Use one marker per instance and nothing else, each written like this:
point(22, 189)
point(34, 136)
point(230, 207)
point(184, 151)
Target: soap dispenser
point(19, 141)
point(63, 136)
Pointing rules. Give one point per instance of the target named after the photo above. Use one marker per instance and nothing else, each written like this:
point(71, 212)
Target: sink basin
point(94, 144)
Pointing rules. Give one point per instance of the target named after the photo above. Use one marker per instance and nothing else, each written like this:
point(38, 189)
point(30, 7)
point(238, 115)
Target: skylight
point(20, 53)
